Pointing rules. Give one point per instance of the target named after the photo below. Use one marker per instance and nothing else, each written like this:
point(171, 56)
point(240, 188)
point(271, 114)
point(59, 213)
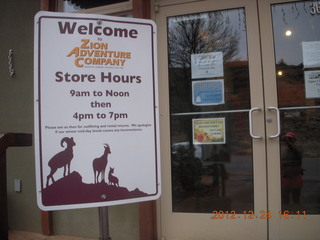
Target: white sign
point(207, 65)
point(312, 84)
point(96, 110)
point(311, 54)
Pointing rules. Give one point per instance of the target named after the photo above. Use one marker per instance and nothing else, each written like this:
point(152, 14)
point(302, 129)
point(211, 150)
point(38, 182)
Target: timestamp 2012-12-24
point(250, 215)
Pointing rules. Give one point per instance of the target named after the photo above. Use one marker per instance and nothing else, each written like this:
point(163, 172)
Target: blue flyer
point(208, 92)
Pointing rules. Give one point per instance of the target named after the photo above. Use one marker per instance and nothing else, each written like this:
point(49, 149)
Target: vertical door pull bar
point(250, 122)
point(278, 121)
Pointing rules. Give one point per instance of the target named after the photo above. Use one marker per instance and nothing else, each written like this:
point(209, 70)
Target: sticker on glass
point(209, 131)
point(311, 54)
point(210, 92)
point(312, 84)
point(207, 65)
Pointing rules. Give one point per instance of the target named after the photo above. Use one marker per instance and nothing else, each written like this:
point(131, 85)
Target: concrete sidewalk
point(21, 235)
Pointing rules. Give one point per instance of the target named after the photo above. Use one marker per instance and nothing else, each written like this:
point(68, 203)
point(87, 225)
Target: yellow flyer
point(209, 131)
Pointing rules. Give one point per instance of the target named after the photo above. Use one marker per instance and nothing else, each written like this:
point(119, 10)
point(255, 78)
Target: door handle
point(250, 122)
point(278, 121)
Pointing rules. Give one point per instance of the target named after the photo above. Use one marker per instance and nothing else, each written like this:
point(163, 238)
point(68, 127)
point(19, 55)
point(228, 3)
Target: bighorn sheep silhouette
point(113, 180)
point(61, 159)
point(99, 164)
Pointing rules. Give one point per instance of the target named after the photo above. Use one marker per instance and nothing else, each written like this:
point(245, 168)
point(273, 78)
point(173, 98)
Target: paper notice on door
point(208, 92)
point(311, 54)
point(312, 84)
point(209, 131)
point(207, 65)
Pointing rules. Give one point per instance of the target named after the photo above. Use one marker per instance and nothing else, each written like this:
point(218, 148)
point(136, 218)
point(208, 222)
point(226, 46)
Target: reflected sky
point(231, 19)
point(70, 7)
point(304, 26)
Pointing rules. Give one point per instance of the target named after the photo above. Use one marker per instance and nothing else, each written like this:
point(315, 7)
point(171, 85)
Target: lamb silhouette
point(113, 180)
point(61, 159)
point(99, 164)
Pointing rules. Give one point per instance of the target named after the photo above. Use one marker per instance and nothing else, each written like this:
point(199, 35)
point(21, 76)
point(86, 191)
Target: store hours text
point(80, 116)
point(111, 115)
point(105, 77)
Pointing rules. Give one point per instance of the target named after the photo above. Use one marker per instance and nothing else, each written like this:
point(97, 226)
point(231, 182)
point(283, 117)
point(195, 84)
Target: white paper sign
point(96, 110)
point(207, 65)
point(312, 84)
point(311, 54)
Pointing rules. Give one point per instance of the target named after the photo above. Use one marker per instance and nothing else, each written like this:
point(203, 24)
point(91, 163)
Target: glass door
point(290, 41)
point(213, 133)
point(240, 109)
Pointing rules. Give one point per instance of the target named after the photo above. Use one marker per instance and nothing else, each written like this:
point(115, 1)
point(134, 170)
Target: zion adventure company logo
point(97, 54)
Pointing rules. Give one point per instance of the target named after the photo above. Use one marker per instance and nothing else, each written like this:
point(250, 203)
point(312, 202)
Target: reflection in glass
point(210, 174)
point(75, 5)
point(299, 106)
